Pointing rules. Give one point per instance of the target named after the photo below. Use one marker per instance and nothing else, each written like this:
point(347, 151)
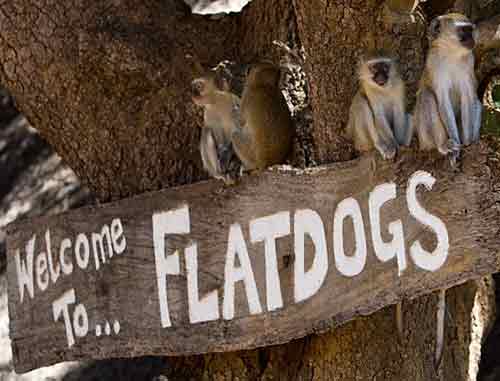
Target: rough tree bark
point(105, 82)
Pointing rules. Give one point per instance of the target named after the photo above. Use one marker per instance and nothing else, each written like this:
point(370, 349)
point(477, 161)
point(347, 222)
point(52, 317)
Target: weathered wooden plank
point(83, 308)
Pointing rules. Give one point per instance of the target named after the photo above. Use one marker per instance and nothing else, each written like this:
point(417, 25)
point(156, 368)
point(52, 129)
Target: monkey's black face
point(466, 36)
point(380, 72)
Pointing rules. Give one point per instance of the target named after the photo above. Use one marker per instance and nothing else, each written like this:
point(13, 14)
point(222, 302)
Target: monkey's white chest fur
point(454, 77)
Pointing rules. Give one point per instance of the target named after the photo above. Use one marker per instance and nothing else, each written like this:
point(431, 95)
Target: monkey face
point(377, 68)
point(201, 88)
point(465, 33)
point(380, 72)
point(205, 87)
point(456, 28)
point(197, 91)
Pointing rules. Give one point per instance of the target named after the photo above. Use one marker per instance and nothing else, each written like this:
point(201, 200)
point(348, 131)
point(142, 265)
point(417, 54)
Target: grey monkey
point(377, 117)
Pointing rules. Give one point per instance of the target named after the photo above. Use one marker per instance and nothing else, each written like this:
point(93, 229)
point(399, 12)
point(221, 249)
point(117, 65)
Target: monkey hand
point(453, 151)
point(451, 147)
point(229, 179)
point(454, 147)
point(226, 154)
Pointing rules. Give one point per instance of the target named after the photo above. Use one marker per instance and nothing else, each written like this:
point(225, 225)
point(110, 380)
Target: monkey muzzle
point(380, 78)
point(466, 36)
point(380, 72)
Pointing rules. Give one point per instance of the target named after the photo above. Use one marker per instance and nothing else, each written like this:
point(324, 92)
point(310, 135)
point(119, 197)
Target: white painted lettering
point(236, 247)
point(349, 265)
point(42, 274)
point(54, 271)
point(25, 270)
point(80, 321)
point(307, 284)
point(164, 223)
point(268, 229)
point(67, 266)
point(119, 241)
point(207, 308)
point(59, 306)
point(98, 239)
point(422, 258)
point(82, 256)
point(396, 248)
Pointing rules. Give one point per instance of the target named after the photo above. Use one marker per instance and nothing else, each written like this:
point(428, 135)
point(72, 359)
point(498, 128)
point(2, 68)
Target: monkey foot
point(454, 146)
point(388, 151)
point(228, 180)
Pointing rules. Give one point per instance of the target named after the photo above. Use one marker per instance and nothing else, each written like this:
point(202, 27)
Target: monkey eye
point(466, 29)
point(379, 67)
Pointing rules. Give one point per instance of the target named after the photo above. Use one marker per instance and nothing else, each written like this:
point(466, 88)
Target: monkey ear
point(434, 28)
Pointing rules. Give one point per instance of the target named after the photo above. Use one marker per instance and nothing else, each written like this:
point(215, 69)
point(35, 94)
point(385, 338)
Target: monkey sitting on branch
point(221, 112)
point(264, 133)
point(448, 112)
point(377, 117)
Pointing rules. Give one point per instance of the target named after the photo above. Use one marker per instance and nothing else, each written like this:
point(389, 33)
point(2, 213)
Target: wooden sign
point(207, 268)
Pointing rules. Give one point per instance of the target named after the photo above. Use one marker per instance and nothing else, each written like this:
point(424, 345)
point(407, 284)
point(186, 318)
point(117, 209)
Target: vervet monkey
point(377, 117)
point(448, 112)
point(221, 112)
point(265, 133)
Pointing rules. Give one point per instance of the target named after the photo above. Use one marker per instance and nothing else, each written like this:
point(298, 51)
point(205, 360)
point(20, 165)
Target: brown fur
point(265, 134)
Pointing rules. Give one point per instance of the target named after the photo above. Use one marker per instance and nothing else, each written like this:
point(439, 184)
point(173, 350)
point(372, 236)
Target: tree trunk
point(106, 84)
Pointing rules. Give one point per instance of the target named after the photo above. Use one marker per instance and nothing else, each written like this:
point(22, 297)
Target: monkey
point(377, 116)
point(221, 110)
point(448, 112)
point(264, 134)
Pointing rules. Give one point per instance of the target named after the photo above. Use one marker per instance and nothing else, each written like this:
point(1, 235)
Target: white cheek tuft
point(463, 23)
point(379, 60)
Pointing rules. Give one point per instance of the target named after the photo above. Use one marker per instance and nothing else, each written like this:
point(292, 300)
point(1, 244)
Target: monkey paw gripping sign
point(199, 268)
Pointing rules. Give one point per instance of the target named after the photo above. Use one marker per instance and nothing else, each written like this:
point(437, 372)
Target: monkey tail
point(440, 315)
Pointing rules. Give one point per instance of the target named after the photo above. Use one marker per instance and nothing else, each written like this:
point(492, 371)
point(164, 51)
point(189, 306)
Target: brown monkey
point(265, 132)
point(377, 117)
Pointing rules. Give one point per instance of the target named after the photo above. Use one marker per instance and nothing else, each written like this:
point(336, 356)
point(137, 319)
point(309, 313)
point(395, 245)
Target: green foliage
point(491, 122)
point(495, 94)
